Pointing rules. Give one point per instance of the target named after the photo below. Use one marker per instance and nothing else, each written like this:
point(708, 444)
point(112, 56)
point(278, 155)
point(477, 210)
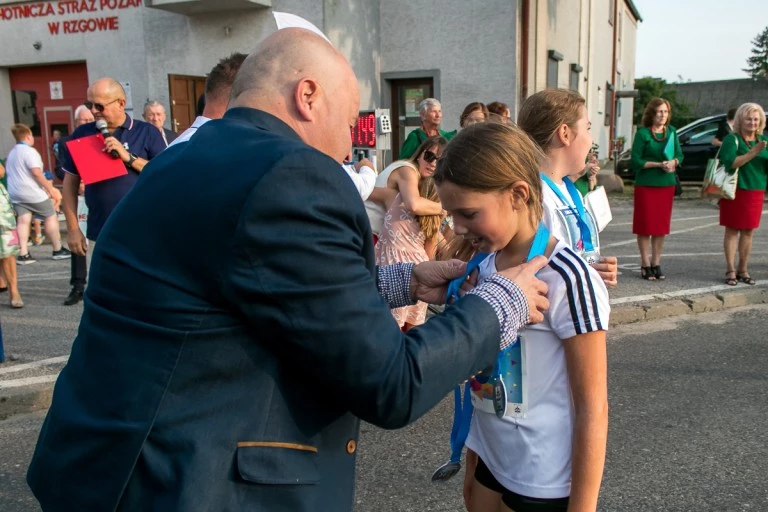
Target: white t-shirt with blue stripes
point(530, 452)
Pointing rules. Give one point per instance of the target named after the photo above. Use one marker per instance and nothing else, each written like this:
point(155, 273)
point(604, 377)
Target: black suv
point(696, 143)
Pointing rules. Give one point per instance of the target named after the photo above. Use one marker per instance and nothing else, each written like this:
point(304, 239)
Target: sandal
point(647, 273)
point(731, 281)
point(17, 303)
point(659, 274)
point(745, 278)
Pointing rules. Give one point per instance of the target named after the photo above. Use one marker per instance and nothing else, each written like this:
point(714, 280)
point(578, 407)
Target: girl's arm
point(585, 356)
point(384, 196)
point(407, 182)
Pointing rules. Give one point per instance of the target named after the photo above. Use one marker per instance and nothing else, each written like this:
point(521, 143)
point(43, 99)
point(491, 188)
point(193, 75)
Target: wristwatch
point(132, 158)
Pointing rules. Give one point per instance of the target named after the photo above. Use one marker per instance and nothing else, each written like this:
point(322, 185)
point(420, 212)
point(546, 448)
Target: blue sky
point(697, 40)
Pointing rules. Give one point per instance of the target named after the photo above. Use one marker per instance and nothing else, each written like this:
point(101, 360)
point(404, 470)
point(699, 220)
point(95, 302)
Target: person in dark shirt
point(724, 129)
point(135, 142)
point(79, 265)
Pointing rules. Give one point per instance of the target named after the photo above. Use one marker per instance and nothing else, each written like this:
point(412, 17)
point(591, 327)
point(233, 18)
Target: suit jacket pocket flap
point(277, 463)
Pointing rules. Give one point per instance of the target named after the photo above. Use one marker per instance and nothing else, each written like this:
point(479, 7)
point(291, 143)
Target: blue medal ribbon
point(463, 409)
point(577, 204)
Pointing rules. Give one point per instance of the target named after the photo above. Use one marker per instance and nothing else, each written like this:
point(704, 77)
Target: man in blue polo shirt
point(135, 142)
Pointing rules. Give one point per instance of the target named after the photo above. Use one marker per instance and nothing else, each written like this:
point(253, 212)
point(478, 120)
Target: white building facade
point(401, 50)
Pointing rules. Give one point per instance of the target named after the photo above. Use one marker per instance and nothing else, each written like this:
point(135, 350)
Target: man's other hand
point(77, 242)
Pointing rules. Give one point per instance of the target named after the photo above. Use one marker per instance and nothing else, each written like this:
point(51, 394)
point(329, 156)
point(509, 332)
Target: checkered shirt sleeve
point(509, 303)
point(394, 284)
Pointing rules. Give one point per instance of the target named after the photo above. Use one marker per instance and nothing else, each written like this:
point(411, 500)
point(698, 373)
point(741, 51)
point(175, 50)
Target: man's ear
point(306, 95)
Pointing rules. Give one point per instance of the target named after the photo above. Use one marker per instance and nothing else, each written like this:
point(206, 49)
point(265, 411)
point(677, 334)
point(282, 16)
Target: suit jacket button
point(351, 446)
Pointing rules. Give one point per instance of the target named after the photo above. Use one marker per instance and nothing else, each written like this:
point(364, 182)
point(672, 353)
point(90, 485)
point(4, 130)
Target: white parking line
point(19, 383)
point(46, 276)
point(33, 364)
point(634, 240)
point(685, 254)
point(676, 294)
point(717, 215)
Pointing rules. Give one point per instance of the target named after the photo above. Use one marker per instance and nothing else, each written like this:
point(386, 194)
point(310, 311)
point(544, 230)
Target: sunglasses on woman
point(98, 106)
point(430, 157)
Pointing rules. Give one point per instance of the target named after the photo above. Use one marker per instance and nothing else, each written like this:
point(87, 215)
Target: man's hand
point(77, 242)
point(55, 195)
point(535, 290)
point(111, 143)
point(608, 268)
point(363, 163)
point(430, 279)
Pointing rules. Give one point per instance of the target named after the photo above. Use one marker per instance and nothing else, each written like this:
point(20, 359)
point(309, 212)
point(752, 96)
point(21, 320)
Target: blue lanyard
point(462, 412)
point(586, 234)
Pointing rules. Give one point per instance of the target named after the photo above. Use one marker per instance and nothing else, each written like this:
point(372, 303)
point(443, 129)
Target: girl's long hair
point(490, 157)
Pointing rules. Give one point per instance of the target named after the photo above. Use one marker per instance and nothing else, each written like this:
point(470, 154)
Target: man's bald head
point(109, 87)
point(106, 100)
point(300, 78)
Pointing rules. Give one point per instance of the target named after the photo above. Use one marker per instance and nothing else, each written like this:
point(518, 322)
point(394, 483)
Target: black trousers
point(79, 272)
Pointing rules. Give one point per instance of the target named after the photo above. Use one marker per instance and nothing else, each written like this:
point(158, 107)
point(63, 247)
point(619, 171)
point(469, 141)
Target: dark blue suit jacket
point(223, 364)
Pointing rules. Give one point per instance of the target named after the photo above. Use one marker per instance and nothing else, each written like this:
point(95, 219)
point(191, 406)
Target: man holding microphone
point(132, 141)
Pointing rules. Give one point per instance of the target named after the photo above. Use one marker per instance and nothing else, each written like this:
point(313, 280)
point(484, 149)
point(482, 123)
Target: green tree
point(649, 87)
point(758, 62)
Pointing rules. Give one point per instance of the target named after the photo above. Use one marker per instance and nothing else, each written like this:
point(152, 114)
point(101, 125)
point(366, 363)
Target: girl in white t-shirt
point(556, 119)
point(538, 434)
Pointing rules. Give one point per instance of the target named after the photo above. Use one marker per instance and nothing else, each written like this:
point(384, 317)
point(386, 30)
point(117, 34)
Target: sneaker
point(62, 254)
point(38, 240)
point(25, 259)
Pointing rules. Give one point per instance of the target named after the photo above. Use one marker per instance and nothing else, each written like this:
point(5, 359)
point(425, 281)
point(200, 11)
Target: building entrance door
point(44, 98)
point(56, 119)
point(185, 92)
point(406, 96)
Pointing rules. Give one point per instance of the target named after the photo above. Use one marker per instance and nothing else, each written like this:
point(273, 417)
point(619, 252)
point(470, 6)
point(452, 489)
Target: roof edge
point(634, 10)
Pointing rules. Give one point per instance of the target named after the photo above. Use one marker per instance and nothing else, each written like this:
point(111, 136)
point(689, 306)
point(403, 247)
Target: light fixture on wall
point(37, 45)
point(227, 30)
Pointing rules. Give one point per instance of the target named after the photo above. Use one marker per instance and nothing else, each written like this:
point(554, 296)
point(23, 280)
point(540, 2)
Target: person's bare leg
point(657, 244)
point(745, 249)
point(22, 228)
point(8, 266)
point(729, 247)
point(484, 499)
point(37, 230)
point(52, 230)
point(643, 244)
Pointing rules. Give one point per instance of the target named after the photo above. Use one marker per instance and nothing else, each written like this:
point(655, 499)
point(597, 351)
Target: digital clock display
point(364, 132)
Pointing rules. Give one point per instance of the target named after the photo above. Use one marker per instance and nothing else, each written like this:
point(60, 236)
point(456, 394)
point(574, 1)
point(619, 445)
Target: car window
point(701, 134)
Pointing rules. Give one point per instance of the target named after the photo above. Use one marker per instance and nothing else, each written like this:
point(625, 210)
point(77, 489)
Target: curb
point(25, 400)
point(706, 303)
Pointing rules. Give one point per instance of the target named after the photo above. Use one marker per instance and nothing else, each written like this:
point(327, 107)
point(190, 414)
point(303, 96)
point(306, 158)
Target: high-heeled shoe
point(647, 273)
point(658, 273)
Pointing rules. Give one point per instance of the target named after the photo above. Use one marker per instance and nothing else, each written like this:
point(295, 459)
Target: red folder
point(92, 162)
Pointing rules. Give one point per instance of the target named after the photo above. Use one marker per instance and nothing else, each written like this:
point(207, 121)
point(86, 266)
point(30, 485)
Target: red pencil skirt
point(653, 210)
point(744, 211)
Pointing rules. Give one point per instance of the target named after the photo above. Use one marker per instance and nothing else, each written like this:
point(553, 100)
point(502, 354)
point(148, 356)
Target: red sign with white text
point(67, 8)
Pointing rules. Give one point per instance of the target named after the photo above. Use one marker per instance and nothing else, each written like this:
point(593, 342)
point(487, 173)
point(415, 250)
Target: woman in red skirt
point(656, 154)
point(745, 150)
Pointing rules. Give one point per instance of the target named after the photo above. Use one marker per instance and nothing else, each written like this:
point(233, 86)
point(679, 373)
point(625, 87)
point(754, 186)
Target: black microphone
point(101, 125)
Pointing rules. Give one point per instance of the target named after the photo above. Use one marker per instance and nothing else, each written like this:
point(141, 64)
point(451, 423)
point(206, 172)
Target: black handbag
point(678, 186)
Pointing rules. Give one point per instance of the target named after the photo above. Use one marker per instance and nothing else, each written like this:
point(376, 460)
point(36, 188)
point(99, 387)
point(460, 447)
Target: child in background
point(538, 435)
